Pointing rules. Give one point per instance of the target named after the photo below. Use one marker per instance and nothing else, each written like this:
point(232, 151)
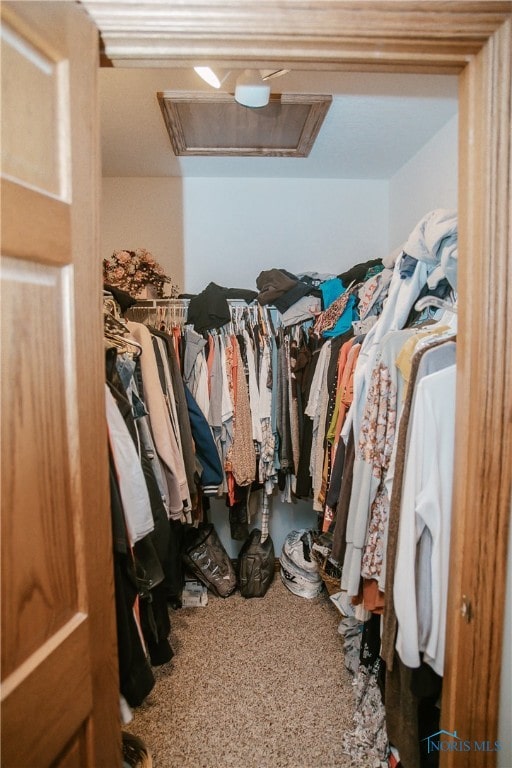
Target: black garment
point(313, 283)
point(370, 642)
point(155, 624)
point(369, 651)
point(427, 686)
point(340, 528)
point(282, 288)
point(273, 283)
point(147, 564)
point(332, 380)
point(332, 373)
point(291, 297)
point(243, 354)
point(124, 299)
point(307, 360)
point(301, 359)
point(238, 515)
point(150, 551)
point(173, 564)
point(135, 676)
point(357, 273)
point(334, 487)
point(210, 309)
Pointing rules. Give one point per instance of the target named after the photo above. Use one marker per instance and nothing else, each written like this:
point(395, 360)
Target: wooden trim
point(52, 230)
point(483, 469)
point(189, 116)
point(293, 31)
point(408, 36)
point(104, 735)
point(47, 672)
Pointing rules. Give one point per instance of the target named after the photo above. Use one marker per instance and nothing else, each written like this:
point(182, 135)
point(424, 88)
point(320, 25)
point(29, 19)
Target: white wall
point(234, 228)
point(144, 213)
point(228, 230)
point(284, 518)
point(427, 181)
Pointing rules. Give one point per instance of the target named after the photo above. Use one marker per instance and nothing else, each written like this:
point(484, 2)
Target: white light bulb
point(208, 75)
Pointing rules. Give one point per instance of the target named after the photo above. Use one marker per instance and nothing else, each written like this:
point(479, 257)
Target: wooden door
point(59, 693)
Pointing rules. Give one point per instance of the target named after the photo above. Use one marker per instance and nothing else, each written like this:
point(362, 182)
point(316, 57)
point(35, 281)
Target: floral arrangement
point(132, 271)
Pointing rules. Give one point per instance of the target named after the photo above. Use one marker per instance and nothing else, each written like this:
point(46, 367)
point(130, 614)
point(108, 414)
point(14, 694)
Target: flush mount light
point(251, 90)
point(214, 77)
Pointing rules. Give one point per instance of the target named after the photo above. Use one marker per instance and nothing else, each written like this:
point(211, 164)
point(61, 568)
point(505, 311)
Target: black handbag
point(205, 556)
point(256, 565)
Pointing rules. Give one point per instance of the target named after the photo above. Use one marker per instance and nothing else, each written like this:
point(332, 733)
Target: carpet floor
point(257, 683)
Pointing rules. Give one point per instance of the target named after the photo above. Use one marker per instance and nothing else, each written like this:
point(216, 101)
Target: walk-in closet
point(256, 506)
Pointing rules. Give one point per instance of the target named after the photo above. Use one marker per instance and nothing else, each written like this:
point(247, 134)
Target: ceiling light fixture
point(214, 77)
point(251, 90)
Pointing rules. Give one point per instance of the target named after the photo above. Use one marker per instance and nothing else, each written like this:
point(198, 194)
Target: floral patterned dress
point(369, 502)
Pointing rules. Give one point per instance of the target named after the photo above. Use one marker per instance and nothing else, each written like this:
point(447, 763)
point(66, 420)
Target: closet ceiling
point(375, 124)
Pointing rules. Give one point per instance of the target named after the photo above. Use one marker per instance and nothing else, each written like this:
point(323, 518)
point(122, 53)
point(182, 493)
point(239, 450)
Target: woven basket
point(330, 571)
point(135, 752)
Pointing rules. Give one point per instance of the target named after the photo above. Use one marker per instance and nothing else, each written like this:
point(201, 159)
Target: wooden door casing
point(59, 666)
point(471, 39)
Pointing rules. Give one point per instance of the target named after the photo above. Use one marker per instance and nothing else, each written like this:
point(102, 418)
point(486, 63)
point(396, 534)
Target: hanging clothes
point(373, 452)
point(132, 486)
point(242, 455)
point(424, 533)
point(165, 432)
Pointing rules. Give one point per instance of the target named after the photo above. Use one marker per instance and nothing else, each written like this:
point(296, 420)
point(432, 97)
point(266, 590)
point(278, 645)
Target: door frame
point(474, 40)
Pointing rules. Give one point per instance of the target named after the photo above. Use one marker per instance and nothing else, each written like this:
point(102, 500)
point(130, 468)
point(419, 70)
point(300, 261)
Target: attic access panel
point(216, 125)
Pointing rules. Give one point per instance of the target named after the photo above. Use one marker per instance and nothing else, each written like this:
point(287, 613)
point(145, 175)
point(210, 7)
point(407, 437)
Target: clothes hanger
point(434, 301)
point(122, 342)
point(115, 330)
point(111, 306)
point(448, 316)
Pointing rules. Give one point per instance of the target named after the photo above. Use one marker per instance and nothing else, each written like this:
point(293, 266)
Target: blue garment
point(407, 266)
point(126, 368)
point(345, 321)
point(206, 450)
point(331, 289)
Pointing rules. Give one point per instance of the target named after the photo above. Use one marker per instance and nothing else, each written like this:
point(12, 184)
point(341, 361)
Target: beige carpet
point(254, 683)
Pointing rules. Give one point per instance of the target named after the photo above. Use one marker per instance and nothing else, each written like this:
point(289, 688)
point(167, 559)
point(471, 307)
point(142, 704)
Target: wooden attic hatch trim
point(216, 125)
